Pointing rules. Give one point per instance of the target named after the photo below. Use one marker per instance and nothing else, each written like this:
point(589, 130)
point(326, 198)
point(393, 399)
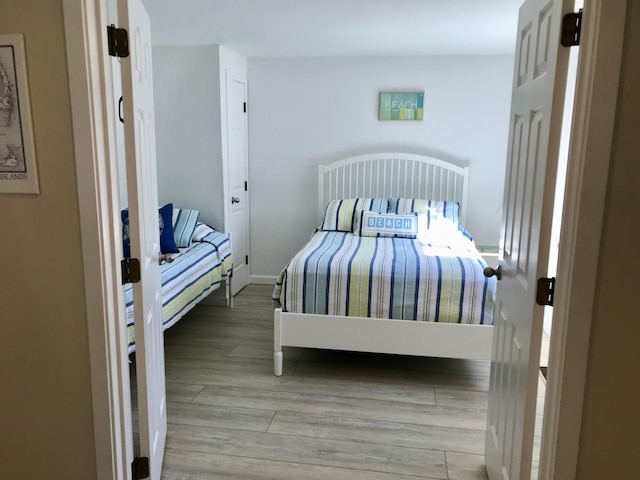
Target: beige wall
point(610, 443)
point(46, 424)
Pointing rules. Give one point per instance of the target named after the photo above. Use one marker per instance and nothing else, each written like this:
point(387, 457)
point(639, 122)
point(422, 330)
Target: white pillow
point(372, 224)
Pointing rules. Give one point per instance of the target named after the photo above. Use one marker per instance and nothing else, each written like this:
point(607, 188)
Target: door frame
point(592, 129)
point(94, 117)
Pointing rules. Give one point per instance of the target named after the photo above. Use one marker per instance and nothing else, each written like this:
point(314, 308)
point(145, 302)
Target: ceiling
point(321, 28)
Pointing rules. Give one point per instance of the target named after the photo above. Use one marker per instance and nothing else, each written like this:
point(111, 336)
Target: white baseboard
point(263, 279)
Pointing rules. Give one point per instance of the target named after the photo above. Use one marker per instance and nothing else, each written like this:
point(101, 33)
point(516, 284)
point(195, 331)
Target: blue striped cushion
point(184, 225)
point(448, 210)
point(340, 214)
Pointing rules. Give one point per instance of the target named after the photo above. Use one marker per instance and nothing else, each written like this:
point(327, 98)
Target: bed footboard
point(400, 337)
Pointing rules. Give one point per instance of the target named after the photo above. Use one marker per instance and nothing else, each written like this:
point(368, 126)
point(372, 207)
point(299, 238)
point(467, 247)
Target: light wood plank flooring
point(332, 415)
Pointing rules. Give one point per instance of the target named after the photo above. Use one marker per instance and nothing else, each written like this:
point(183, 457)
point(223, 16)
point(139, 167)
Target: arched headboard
point(387, 175)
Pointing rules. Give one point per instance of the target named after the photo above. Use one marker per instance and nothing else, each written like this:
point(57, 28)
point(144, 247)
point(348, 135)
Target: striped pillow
point(184, 224)
point(340, 214)
point(433, 208)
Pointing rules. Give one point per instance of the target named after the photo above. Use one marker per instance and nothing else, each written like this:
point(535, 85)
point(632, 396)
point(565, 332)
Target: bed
point(201, 261)
point(391, 268)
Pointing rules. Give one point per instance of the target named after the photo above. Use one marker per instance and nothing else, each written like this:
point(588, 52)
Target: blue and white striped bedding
point(435, 277)
point(221, 242)
point(195, 272)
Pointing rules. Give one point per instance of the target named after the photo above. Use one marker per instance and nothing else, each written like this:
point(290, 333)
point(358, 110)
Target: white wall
point(188, 140)
point(303, 112)
point(190, 103)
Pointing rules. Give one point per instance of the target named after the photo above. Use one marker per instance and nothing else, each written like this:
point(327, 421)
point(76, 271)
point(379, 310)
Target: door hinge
point(140, 468)
point(246, 259)
point(246, 186)
point(571, 26)
point(130, 268)
point(245, 107)
point(545, 291)
point(118, 41)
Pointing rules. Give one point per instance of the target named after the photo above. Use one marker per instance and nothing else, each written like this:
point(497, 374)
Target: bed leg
point(277, 363)
point(277, 342)
point(229, 295)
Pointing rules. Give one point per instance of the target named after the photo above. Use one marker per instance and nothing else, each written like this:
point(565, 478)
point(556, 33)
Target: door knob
point(490, 272)
point(235, 200)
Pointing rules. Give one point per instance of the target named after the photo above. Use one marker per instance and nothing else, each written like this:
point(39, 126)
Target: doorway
point(554, 249)
point(601, 116)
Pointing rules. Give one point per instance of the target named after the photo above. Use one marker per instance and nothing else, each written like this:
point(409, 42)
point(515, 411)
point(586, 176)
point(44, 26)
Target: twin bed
point(391, 268)
point(198, 268)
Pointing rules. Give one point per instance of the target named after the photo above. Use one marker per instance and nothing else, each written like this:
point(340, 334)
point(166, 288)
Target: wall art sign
point(18, 172)
point(401, 106)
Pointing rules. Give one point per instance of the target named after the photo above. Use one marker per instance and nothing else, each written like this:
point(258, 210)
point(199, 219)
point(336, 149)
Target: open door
point(534, 138)
point(142, 190)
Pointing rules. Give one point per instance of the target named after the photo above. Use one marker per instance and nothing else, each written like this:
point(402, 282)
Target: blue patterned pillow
point(165, 219)
point(184, 226)
point(126, 240)
point(167, 242)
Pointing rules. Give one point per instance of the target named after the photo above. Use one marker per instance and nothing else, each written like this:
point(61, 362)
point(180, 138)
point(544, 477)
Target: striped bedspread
point(426, 279)
point(220, 242)
point(195, 272)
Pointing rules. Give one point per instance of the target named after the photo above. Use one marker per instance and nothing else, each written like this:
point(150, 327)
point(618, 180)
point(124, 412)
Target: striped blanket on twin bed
point(338, 273)
point(195, 272)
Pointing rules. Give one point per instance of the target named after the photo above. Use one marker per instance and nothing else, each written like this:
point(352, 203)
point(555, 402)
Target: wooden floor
point(332, 415)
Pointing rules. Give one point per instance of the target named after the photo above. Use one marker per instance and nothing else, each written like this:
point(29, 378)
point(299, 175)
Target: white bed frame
point(385, 175)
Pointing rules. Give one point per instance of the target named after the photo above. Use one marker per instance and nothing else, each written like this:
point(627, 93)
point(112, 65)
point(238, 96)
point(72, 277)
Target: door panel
point(536, 118)
point(142, 190)
point(238, 175)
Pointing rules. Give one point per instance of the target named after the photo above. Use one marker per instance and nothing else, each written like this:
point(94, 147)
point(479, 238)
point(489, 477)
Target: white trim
point(97, 178)
point(590, 151)
point(263, 279)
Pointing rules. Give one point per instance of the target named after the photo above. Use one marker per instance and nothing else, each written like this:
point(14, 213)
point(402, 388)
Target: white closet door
point(238, 176)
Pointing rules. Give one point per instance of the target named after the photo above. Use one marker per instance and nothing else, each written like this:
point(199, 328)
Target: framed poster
point(401, 106)
point(18, 172)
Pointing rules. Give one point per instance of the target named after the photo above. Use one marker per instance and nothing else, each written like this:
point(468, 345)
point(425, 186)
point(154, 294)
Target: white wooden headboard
point(387, 175)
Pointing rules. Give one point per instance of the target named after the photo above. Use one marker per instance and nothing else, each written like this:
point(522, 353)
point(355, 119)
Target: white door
point(534, 136)
point(238, 178)
point(142, 190)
